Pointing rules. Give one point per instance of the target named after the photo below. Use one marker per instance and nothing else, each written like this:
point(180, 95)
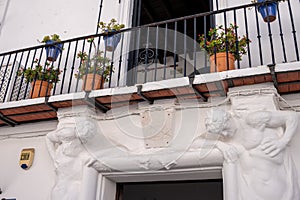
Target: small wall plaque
point(26, 158)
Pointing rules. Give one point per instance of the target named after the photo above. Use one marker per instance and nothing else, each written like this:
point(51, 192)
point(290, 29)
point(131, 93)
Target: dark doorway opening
point(176, 190)
point(174, 45)
point(150, 11)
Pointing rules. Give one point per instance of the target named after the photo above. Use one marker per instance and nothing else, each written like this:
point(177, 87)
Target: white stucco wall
point(28, 21)
point(36, 182)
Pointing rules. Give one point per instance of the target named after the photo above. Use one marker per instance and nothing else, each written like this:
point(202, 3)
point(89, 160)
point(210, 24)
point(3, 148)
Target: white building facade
point(154, 122)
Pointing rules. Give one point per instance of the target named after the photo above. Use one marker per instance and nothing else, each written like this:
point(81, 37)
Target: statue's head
point(86, 129)
point(219, 121)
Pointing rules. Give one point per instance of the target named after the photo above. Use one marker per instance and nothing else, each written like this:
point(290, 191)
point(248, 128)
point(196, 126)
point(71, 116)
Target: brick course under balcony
point(182, 73)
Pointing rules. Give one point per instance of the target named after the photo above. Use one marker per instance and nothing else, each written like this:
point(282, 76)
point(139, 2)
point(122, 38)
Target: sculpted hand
point(272, 146)
point(97, 165)
point(90, 162)
point(230, 153)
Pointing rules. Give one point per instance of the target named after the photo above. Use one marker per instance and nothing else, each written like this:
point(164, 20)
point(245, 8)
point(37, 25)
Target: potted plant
point(111, 40)
point(93, 69)
point(54, 48)
point(221, 43)
point(41, 78)
point(267, 10)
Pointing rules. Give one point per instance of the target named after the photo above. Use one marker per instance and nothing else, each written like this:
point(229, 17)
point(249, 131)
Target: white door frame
point(106, 189)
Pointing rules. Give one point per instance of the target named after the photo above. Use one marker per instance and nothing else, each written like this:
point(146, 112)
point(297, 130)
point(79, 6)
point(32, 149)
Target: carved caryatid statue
point(65, 146)
point(257, 146)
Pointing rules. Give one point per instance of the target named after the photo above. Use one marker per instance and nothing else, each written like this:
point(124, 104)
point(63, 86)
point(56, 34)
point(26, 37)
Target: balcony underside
point(285, 77)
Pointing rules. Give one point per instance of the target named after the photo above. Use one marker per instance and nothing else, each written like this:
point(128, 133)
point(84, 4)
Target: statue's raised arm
point(274, 119)
point(264, 168)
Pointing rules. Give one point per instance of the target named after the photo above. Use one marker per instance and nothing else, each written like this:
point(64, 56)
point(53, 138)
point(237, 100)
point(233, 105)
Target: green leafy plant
point(45, 73)
point(54, 38)
point(220, 40)
point(110, 26)
point(95, 64)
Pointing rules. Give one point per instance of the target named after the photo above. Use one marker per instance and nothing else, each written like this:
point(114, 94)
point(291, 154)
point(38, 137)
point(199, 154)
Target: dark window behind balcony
point(174, 47)
point(150, 11)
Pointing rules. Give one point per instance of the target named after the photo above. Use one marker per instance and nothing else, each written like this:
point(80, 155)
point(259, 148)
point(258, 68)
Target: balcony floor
point(286, 78)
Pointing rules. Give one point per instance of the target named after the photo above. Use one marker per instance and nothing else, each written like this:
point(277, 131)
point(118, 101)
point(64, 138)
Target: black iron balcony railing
point(154, 52)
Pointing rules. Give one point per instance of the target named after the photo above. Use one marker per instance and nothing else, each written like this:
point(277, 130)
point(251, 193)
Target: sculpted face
point(220, 122)
point(66, 134)
point(227, 133)
point(229, 128)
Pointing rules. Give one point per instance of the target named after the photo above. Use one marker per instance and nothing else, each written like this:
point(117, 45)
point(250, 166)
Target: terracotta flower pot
point(221, 65)
point(40, 89)
point(88, 81)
